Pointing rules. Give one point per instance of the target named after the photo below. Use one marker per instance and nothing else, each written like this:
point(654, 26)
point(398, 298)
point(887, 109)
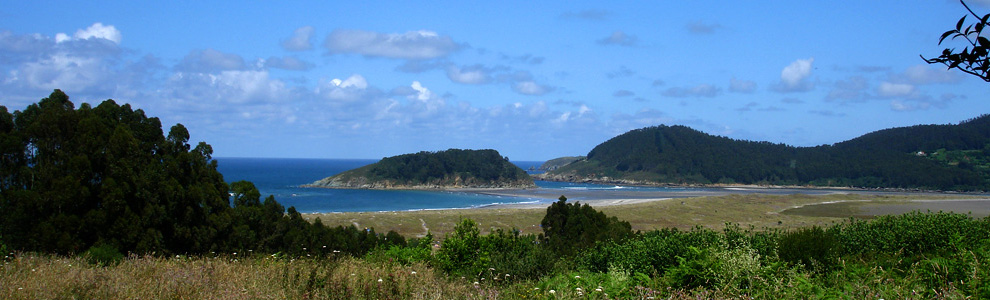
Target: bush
point(103, 255)
point(814, 248)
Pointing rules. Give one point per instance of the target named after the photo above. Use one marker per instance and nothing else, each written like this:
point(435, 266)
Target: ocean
point(282, 177)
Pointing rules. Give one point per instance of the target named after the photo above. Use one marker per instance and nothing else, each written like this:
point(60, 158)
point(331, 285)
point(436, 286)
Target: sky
point(534, 80)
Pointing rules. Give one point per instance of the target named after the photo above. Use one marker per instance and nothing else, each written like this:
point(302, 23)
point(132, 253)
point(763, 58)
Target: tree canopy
point(73, 179)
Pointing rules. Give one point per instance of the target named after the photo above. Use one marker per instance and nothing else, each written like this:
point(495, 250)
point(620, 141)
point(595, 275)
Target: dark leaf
point(960, 23)
point(979, 27)
point(985, 18)
point(984, 42)
point(944, 35)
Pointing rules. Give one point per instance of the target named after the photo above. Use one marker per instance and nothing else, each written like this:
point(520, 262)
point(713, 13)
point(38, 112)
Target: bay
point(283, 177)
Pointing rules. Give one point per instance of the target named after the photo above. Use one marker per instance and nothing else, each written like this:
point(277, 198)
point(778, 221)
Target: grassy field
point(760, 211)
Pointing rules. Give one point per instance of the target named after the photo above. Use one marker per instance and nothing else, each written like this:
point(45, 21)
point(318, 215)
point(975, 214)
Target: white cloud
point(210, 61)
point(924, 74)
point(887, 89)
point(422, 93)
point(796, 71)
point(741, 86)
point(410, 45)
point(97, 30)
point(300, 39)
point(531, 88)
point(286, 63)
point(618, 38)
point(468, 75)
point(793, 78)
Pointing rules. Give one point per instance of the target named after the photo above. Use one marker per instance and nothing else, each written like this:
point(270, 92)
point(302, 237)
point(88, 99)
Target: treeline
point(886, 159)
point(425, 167)
point(106, 177)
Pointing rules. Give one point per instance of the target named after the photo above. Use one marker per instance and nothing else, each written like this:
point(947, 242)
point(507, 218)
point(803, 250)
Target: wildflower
point(491, 269)
point(577, 277)
point(536, 289)
point(379, 280)
point(413, 272)
point(475, 283)
point(598, 289)
point(553, 292)
point(235, 253)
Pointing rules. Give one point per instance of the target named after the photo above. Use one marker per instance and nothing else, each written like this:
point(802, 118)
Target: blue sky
point(334, 79)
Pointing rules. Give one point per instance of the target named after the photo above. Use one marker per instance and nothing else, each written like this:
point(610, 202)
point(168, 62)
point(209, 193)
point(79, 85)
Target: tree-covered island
point(453, 168)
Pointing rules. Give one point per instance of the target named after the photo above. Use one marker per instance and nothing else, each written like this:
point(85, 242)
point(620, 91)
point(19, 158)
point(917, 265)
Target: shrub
point(103, 255)
point(814, 248)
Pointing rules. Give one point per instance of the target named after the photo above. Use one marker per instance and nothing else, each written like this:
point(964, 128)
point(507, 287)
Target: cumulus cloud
point(469, 75)
point(422, 93)
point(97, 30)
point(286, 63)
point(889, 90)
point(410, 45)
point(618, 38)
point(701, 90)
point(793, 78)
point(300, 39)
point(924, 74)
point(350, 89)
point(531, 88)
point(209, 61)
point(82, 64)
point(742, 86)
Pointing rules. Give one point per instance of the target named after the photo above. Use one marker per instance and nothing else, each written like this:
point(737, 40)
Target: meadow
point(725, 247)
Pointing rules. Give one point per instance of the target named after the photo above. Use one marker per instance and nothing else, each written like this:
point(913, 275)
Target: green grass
point(760, 211)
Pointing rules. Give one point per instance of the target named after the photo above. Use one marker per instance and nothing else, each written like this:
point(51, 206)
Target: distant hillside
point(886, 159)
point(452, 168)
point(556, 163)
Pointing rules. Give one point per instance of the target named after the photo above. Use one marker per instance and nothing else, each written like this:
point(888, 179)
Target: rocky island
point(453, 168)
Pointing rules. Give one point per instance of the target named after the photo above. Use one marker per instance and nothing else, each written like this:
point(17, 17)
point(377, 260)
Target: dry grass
point(34, 276)
point(758, 210)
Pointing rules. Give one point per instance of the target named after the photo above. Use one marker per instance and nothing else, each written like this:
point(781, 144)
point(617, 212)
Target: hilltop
point(937, 157)
point(453, 168)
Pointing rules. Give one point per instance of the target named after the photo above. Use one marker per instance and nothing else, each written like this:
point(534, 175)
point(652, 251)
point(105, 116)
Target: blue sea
point(282, 178)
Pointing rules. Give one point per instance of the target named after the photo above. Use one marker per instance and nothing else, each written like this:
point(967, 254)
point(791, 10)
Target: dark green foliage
point(912, 233)
point(814, 248)
point(439, 167)
point(569, 227)
point(887, 158)
point(103, 255)
point(107, 178)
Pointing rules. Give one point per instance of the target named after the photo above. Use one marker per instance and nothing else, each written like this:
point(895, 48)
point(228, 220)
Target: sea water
point(283, 177)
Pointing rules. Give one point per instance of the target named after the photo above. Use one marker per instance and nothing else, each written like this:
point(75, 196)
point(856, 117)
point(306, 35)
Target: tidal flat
point(760, 208)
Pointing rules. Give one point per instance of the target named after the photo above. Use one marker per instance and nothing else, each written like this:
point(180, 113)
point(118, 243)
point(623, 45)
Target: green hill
point(891, 158)
point(452, 168)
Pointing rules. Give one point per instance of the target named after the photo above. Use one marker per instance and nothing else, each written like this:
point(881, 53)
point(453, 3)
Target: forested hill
point(887, 158)
point(454, 168)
